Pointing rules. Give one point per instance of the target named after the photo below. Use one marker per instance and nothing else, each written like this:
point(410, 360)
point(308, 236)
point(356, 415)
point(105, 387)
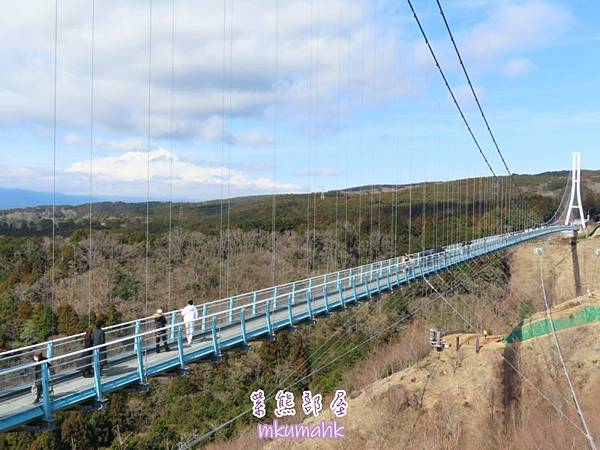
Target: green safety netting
point(530, 330)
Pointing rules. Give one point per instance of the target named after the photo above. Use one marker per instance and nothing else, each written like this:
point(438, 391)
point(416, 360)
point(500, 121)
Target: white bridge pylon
point(575, 201)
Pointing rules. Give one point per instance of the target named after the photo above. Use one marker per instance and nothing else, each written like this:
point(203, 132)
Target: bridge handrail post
point(254, 300)
point(139, 345)
point(173, 322)
point(268, 318)
point(341, 294)
point(377, 281)
point(180, 352)
point(243, 326)
point(275, 293)
point(290, 310)
point(309, 304)
point(293, 292)
point(47, 403)
point(138, 330)
point(353, 283)
point(204, 314)
point(50, 350)
point(230, 312)
point(325, 293)
point(326, 302)
point(215, 342)
point(97, 375)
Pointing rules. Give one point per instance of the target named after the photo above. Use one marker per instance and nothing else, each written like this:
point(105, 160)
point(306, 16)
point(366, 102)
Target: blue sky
point(354, 99)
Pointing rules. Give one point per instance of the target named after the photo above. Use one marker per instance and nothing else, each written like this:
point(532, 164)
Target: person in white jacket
point(190, 314)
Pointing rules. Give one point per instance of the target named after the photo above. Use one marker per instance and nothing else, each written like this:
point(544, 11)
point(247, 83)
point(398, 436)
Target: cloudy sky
point(288, 95)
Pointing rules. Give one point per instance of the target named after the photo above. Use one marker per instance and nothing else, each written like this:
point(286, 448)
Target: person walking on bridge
point(190, 314)
point(37, 377)
point(86, 358)
point(99, 338)
point(160, 322)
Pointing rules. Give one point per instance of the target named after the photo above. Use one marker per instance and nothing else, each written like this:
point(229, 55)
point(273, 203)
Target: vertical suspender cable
point(316, 138)
point(223, 116)
point(170, 244)
point(229, 144)
point(52, 274)
point(339, 127)
point(147, 268)
point(90, 246)
point(275, 145)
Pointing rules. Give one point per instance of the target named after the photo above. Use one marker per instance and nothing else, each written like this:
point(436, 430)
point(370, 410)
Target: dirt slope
point(468, 400)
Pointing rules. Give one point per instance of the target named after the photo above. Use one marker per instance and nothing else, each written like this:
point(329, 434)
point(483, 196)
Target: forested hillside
point(214, 249)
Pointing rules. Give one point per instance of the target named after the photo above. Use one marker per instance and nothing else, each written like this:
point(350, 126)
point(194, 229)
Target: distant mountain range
point(22, 198)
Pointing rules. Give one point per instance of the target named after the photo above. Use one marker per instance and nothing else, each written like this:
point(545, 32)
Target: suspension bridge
point(223, 324)
point(130, 358)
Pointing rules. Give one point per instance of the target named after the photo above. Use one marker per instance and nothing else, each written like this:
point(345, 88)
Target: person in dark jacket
point(86, 358)
point(37, 377)
point(160, 322)
point(98, 338)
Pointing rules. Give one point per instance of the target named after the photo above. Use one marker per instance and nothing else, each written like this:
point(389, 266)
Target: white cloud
point(126, 144)
point(132, 167)
point(121, 62)
point(516, 67)
point(514, 25)
point(213, 129)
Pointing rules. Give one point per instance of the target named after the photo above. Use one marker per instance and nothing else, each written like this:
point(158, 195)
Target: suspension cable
point(439, 67)
point(471, 86)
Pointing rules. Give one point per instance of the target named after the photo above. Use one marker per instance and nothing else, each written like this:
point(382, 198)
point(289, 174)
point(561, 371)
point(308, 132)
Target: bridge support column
point(354, 291)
